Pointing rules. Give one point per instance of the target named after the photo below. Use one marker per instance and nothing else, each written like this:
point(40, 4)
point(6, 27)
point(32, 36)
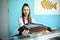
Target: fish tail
point(55, 5)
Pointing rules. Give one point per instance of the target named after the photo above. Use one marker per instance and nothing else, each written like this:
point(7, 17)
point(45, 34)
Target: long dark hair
point(29, 17)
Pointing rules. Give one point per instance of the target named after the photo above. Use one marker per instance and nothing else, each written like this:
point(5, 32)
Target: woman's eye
point(24, 10)
point(27, 9)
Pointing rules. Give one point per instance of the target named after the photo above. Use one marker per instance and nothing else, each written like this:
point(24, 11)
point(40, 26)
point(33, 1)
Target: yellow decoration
point(46, 4)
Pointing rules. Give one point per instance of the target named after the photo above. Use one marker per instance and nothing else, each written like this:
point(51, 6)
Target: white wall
point(4, 19)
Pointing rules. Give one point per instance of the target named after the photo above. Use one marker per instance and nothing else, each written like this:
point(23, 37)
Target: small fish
point(46, 4)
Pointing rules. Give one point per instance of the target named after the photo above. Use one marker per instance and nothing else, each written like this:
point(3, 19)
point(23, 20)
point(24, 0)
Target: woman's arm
point(20, 21)
point(33, 21)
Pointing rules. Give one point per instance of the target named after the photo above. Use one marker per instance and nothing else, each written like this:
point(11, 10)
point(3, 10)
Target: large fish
point(46, 4)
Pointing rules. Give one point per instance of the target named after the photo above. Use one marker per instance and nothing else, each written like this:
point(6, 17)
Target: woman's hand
point(25, 33)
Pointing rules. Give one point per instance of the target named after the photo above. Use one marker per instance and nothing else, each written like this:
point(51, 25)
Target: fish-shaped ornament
point(46, 4)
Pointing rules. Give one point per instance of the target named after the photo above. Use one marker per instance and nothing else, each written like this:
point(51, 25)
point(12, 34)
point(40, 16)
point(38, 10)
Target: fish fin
point(43, 5)
point(55, 5)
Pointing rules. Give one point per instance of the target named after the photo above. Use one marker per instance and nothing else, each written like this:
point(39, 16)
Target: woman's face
point(26, 10)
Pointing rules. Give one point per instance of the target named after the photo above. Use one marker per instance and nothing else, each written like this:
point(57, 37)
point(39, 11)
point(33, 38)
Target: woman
point(26, 18)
